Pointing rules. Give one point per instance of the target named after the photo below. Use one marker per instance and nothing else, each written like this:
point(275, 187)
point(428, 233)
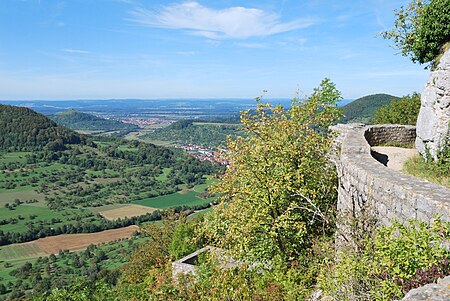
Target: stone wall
point(390, 135)
point(366, 183)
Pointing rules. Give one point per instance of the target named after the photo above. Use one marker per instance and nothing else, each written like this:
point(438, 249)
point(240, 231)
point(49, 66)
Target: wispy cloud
point(69, 50)
point(252, 45)
point(187, 53)
point(233, 22)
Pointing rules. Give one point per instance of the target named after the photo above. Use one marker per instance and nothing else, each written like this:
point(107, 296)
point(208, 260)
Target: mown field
point(26, 250)
point(173, 200)
point(113, 212)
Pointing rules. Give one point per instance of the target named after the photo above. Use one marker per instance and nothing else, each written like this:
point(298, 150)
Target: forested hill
point(77, 120)
point(24, 129)
point(200, 133)
point(363, 109)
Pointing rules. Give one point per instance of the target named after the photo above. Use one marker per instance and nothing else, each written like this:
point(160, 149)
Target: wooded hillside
point(23, 129)
point(363, 109)
point(77, 120)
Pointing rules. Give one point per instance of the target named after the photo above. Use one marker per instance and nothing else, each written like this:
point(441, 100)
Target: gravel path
point(393, 157)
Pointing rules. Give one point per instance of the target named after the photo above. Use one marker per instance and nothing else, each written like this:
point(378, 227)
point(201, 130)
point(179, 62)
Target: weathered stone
point(434, 116)
point(431, 292)
point(366, 183)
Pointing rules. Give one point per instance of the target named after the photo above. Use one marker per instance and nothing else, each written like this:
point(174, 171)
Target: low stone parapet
point(366, 183)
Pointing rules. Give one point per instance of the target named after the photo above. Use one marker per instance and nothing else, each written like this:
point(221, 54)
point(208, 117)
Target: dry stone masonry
point(434, 115)
point(366, 183)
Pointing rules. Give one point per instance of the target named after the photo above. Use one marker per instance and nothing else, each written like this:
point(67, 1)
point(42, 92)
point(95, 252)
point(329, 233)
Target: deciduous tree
point(279, 189)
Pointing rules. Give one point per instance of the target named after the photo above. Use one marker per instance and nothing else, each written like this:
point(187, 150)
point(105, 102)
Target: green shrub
point(183, 241)
point(392, 261)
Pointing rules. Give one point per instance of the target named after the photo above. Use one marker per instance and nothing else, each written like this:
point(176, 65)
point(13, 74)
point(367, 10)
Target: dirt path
point(393, 157)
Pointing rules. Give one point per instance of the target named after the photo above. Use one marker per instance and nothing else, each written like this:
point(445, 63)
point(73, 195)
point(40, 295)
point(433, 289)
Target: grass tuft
point(419, 168)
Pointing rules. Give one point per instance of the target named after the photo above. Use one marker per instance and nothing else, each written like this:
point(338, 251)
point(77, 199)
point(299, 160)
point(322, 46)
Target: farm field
point(10, 196)
point(14, 157)
point(44, 194)
point(72, 242)
point(21, 251)
point(25, 213)
point(173, 200)
point(113, 212)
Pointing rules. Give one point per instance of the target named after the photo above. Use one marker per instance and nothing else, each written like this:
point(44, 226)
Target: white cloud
point(233, 22)
point(69, 50)
point(187, 53)
point(252, 45)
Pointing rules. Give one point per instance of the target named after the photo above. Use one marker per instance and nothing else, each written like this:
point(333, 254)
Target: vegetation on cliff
point(278, 192)
point(421, 29)
point(385, 263)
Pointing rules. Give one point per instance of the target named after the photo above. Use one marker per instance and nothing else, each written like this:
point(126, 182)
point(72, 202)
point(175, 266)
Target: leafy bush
point(392, 261)
point(442, 164)
point(279, 190)
point(183, 242)
point(402, 111)
point(433, 30)
point(421, 29)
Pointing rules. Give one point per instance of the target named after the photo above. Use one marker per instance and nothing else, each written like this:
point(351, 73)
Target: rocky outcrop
point(434, 115)
point(431, 292)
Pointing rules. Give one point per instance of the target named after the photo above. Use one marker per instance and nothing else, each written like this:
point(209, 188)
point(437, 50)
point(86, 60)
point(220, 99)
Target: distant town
point(205, 154)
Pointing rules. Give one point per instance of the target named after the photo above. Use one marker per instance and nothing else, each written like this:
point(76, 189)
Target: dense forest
point(23, 129)
point(77, 120)
point(194, 132)
point(363, 109)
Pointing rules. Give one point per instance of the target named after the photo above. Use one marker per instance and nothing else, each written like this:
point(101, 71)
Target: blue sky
point(97, 49)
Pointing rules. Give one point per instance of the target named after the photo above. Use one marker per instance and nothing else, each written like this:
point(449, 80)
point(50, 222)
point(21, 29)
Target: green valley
point(54, 181)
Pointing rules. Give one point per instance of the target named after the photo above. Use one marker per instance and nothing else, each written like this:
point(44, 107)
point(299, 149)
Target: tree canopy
point(76, 120)
point(280, 185)
point(23, 129)
point(401, 111)
point(421, 29)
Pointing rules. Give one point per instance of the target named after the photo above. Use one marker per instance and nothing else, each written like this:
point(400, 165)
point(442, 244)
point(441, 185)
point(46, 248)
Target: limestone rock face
point(431, 292)
point(434, 115)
